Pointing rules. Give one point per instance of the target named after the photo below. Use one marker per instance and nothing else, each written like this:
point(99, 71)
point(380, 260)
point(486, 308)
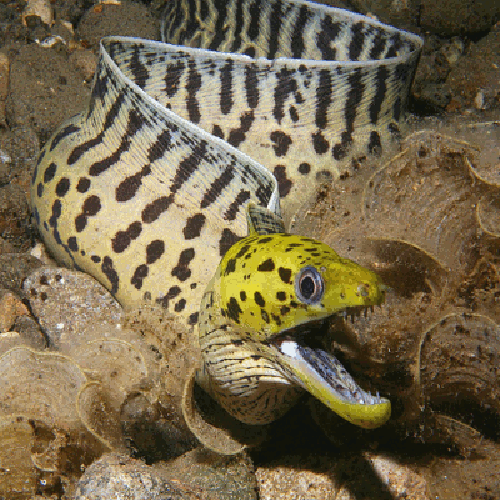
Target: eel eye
point(309, 285)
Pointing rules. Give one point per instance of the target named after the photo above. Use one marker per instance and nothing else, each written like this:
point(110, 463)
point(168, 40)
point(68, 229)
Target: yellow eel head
point(269, 285)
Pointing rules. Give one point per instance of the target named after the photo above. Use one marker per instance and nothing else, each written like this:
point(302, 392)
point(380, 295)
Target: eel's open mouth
point(322, 375)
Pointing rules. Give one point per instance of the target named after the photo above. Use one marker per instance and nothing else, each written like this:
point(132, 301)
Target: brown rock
point(10, 308)
point(4, 84)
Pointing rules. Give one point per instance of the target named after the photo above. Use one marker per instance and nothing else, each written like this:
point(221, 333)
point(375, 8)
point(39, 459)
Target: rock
point(72, 307)
point(85, 61)
point(341, 477)
point(29, 332)
point(197, 474)
point(454, 17)
point(14, 216)
point(41, 385)
point(119, 476)
point(125, 18)
point(475, 78)
point(4, 85)
point(224, 478)
point(10, 308)
point(18, 473)
point(14, 267)
point(38, 8)
point(44, 89)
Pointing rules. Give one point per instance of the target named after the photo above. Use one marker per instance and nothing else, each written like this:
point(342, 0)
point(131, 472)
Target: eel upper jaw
point(322, 375)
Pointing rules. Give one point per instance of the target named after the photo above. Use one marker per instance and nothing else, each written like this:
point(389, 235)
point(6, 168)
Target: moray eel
point(268, 285)
point(251, 102)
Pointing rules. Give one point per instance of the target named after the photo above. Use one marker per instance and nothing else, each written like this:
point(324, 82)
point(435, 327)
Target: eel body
point(250, 102)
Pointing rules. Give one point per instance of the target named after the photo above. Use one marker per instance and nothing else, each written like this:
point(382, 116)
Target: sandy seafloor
point(434, 349)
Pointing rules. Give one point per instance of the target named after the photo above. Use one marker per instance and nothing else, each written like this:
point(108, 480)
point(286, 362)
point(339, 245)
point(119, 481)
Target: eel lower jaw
point(322, 375)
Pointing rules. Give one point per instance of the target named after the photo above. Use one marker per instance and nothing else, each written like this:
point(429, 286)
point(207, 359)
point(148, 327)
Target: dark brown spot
point(72, 244)
point(122, 239)
point(284, 184)
point(194, 225)
point(56, 213)
point(284, 310)
point(83, 185)
point(320, 144)
point(233, 310)
point(230, 267)
point(243, 296)
point(154, 251)
point(62, 187)
point(237, 135)
point(266, 266)
point(285, 274)
point(50, 172)
point(304, 168)
point(281, 141)
point(171, 294)
point(154, 209)
point(139, 274)
point(181, 271)
point(234, 207)
point(217, 186)
point(110, 273)
point(180, 305)
point(193, 318)
point(228, 239)
point(217, 131)
point(281, 295)
point(242, 251)
point(91, 205)
point(259, 300)
point(127, 189)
